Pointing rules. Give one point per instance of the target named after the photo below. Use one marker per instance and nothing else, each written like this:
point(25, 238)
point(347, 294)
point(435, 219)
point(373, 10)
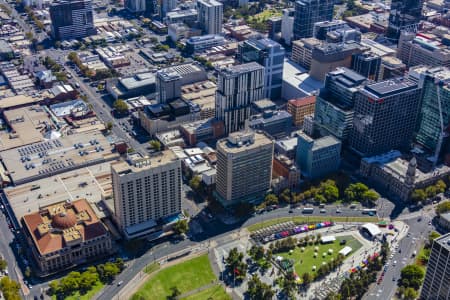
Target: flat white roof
point(328, 239)
point(373, 229)
point(346, 250)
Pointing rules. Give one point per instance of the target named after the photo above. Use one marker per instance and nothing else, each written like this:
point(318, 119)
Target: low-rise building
point(286, 168)
point(64, 235)
point(140, 84)
point(201, 43)
point(275, 123)
point(301, 107)
point(202, 95)
point(399, 176)
point(202, 131)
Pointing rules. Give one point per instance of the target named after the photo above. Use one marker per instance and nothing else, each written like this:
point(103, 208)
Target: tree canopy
point(120, 106)
point(258, 290)
point(412, 276)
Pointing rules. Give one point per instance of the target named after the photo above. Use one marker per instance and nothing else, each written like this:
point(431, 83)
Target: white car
point(394, 263)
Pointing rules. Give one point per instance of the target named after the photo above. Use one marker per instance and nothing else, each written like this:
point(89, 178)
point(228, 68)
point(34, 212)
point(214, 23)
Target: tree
point(61, 76)
point(235, 265)
point(88, 280)
point(258, 290)
point(155, 144)
point(271, 199)
point(195, 182)
point(109, 126)
point(107, 271)
point(370, 196)
point(440, 186)
point(307, 278)
point(175, 293)
point(410, 294)
point(443, 207)
point(54, 287)
point(329, 190)
point(72, 56)
point(181, 227)
point(27, 272)
point(286, 196)
point(432, 236)
point(412, 276)
point(355, 191)
point(288, 285)
point(9, 288)
point(418, 195)
point(3, 264)
point(431, 191)
point(121, 106)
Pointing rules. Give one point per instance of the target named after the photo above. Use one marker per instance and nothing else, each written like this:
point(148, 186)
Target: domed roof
point(64, 220)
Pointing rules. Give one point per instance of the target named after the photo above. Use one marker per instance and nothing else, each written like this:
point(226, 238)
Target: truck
point(308, 210)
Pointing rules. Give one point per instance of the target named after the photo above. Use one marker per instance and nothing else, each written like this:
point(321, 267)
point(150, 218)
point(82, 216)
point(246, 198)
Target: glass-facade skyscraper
point(309, 12)
point(435, 107)
point(404, 14)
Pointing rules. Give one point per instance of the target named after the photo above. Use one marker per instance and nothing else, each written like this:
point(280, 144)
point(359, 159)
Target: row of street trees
point(326, 192)
point(420, 195)
point(83, 282)
point(9, 288)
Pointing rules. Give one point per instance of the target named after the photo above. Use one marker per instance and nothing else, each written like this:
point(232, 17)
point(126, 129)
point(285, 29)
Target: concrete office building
point(135, 6)
point(287, 25)
point(72, 19)
point(204, 42)
point(167, 6)
point(385, 115)
point(321, 29)
point(237, 88)
point(328, 56)
point(146, 190)
point(437, 277)
point(276, 123)
point(391, 67)
point(302, 51)
point(336, 31)
point(270, 55)
point(309, 12)
point(244, 167)
point(421, 49)
point(404, 15)
point(170, 80)
point(274, 27)
point(435, 108)
point(210, 16)
point(188, 16)
point(317, 158)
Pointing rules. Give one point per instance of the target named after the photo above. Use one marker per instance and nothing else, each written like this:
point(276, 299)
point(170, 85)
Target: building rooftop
point(92, 183)
point(297, 77)
point(308, 100)
point(444, 241)
point(28, 125)
point(50, 157)
point(242, 141)
point(390, 87)
point(323, 142)
point(234, 71)
point(139, 163)
point(62, 225)
point(138, 80)
point(210, 3)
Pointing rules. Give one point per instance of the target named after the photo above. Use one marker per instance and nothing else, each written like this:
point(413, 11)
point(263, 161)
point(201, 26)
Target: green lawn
point(266, 14)
point(308, 260)
point(87, 296)
point(312, 219)
point(186, 276)
point(215, 292)
point(151, 268)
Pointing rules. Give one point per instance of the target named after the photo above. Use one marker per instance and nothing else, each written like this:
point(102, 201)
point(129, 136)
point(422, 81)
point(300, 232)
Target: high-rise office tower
point(334, 105)
point(287, 25)
point(307, 13)
point(434, 116)
point(436, 284)
point(244, 167)
point(237, 88)
point(72, 19)
point(146, 190)
point(135, 6)
point(385, 115)
point(210, 16)
point(404, 14)
point(167, 6)
point(270, 55)
point(168, 85)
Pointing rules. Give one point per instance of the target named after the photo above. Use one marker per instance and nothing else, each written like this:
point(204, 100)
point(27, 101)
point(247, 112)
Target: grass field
point(215, 292)
point(304, 261)
point(87, 296)
point(186, 276)
point(266, 14)
point(151, 268)
point(312, 219)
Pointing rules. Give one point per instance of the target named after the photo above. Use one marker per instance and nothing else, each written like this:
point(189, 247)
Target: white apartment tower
point(210, 16)
point(244, 167)
point(237, 88)
point(287, 25)
point(146, 190)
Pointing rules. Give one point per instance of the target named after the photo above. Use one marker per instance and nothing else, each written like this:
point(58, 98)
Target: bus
point(308, 210)
point(369, 211)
